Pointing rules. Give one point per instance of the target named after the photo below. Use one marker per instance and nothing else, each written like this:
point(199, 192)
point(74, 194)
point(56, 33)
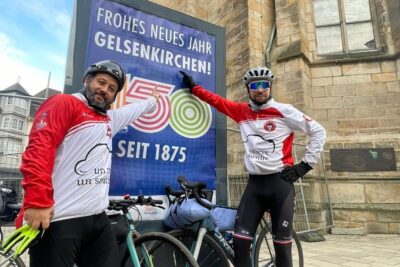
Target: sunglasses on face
point(264, 85)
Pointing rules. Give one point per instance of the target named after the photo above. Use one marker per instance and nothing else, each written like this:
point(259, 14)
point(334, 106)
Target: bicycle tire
point(211, 254)
point(164, 250)
point(264, 252)
point(11, 262)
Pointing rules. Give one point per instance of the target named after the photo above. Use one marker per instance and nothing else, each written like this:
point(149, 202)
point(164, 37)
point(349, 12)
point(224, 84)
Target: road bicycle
point(213, 247)
point(141, 250)
point(153, 248)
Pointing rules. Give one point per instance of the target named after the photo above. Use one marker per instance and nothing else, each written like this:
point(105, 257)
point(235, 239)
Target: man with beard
point(69, 152)
point(267, 128)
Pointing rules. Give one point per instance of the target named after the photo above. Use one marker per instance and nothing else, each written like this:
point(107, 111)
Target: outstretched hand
point(155, 93)
point(187, 80)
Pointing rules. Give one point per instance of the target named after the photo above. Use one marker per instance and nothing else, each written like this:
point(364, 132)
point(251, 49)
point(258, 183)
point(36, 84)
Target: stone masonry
point(356, 99)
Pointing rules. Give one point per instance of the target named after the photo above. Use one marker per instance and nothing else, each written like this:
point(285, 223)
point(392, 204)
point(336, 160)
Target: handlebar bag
point(185, 212)
point(173, 220)
point(224, 217)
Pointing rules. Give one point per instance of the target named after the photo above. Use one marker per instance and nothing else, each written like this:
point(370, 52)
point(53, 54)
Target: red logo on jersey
point(43, 121)
point(269, 126)
point(109, 133)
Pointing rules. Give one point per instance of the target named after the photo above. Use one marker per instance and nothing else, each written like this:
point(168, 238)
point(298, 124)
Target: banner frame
point(77, 53)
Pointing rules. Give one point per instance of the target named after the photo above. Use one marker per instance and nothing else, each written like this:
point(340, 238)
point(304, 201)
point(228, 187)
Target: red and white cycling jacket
point(68, 159)
point(267, 131)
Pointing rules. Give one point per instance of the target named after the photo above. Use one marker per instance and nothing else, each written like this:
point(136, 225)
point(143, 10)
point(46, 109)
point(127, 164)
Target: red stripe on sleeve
point(287, 158)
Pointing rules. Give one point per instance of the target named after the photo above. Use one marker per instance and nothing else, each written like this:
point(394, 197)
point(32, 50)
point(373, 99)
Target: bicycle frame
point(131, 243)
point(207, 226)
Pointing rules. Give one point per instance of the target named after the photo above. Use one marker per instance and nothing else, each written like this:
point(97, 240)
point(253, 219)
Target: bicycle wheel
point(160, 249)
point(264, 254)
point(6, 260)
point(211, 254)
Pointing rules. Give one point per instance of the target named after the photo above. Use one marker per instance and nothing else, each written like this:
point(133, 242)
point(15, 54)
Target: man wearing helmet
point(267, 128)
point(66, 170)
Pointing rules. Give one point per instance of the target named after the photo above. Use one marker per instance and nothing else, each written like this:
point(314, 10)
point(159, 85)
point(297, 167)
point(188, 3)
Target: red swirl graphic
point(157, 120)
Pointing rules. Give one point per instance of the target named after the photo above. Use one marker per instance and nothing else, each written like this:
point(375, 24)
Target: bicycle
point(153, 248)
point(211, 247)
point(8, 212)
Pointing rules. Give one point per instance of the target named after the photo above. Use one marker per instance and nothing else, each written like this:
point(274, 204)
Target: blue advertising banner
point(179, 137)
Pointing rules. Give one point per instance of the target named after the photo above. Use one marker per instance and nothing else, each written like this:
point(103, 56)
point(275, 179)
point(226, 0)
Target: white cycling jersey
point(267, 131)
point(67, 162)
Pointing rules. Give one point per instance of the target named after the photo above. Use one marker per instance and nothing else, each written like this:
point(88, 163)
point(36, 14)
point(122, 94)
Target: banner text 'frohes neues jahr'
point(137, 40)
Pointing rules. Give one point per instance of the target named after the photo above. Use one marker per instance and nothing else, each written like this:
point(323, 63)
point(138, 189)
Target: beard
point(259, 103)
point(91, 97)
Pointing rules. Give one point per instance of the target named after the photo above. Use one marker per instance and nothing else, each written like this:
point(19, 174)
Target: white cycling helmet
point(256, 74)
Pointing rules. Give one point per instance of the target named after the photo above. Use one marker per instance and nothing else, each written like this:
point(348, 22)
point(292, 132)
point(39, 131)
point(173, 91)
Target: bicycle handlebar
point(196, 186)
point(171, 192)
point(189, 188)
point(127, 202)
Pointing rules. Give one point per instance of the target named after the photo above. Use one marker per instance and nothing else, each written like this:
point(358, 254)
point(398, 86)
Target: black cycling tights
point(265, 193)
point(87, 241)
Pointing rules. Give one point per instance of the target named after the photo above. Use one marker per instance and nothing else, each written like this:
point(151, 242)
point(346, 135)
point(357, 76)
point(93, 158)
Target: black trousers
point(265, 193)
point(86, 241)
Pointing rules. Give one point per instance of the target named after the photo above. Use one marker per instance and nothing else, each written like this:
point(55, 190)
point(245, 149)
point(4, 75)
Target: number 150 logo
point(186, 114)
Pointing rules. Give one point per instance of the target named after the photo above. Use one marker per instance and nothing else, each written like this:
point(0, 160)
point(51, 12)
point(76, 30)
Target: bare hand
point(40, 217)
point(155, 93)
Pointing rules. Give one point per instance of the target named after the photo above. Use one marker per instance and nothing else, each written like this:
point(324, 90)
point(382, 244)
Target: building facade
point(339, 62)
point(13, 132)
point(18, 108)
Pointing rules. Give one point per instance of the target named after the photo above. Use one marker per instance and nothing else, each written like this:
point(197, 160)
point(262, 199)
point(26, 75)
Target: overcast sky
point(33, 42)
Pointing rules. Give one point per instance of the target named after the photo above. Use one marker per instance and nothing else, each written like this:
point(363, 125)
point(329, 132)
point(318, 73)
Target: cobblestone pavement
point(370, 250)
point(353, 250)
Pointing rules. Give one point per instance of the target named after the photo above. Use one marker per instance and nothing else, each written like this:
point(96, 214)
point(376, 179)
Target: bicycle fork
point(133, 234)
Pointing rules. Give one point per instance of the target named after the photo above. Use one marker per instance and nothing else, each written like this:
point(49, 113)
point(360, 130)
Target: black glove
point(188, 80)
point(293, 173)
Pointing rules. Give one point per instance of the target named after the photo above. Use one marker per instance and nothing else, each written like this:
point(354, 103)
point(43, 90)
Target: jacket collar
point(255, 107)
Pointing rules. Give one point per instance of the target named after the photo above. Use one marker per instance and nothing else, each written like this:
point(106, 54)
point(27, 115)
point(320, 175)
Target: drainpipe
point(269, 46)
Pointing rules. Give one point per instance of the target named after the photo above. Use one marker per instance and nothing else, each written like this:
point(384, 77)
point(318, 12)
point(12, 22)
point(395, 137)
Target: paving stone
point(374, 250)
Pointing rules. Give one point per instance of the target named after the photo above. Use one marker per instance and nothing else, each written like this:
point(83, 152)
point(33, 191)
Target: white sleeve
point(297, 120)
point(125, 115)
